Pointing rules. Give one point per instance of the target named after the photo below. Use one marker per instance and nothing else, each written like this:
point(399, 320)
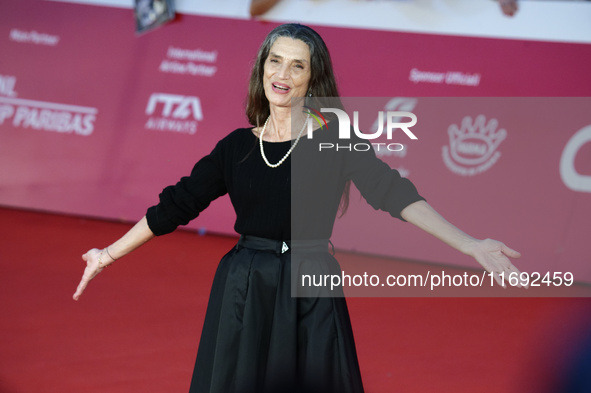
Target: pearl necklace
point(290, 149)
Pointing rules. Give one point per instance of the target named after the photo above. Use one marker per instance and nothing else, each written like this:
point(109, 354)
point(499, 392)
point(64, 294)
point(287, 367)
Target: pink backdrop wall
point(95, 121)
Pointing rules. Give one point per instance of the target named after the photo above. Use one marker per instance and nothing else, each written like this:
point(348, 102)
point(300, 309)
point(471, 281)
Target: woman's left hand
point(491, 254)
point(494, 258)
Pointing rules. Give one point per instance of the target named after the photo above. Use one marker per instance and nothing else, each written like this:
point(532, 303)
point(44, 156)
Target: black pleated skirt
point(257, 338)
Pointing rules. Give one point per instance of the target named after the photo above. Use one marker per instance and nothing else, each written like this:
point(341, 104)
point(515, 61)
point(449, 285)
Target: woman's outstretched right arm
point(97, 260)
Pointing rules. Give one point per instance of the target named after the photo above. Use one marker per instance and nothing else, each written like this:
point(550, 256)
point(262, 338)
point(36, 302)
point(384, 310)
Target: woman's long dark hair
point(322, 79)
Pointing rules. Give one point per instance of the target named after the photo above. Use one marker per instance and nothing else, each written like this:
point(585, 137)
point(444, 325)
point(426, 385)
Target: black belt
point(283, 246)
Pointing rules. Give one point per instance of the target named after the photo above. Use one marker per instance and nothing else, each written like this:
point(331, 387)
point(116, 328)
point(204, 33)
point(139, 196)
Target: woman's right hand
point(92, 268)
point(135, 237)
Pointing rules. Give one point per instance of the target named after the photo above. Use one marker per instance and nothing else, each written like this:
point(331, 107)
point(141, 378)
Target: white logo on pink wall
point(473, 146)
point(43, 115)
point(172, 112)
point(33, 37)
point(571, 178)
point(7, 83)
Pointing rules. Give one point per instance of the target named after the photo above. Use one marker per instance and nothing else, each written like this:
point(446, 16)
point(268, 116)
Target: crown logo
point(473, 146)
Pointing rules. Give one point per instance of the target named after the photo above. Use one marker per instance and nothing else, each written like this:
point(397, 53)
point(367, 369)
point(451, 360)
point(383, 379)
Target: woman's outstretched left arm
point(491, 254)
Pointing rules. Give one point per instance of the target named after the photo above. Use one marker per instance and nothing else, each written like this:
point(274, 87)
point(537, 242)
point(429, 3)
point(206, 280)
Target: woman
point(256, 336)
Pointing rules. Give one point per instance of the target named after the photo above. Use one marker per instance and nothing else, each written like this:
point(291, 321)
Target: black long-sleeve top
point(297, 200)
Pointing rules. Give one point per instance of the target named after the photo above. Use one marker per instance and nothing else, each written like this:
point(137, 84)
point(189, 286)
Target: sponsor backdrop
point(95, 121)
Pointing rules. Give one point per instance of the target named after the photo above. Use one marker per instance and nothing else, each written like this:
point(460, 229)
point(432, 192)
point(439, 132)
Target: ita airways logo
point(473, 146)
point(171, 112)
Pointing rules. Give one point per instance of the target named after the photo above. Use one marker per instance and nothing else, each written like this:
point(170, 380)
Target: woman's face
point(287, 71)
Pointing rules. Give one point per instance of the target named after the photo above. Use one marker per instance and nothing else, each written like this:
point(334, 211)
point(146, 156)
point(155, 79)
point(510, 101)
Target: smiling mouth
point(282, 88)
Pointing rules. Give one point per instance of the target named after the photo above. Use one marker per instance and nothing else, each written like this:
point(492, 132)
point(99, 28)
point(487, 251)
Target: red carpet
point(137, 326)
